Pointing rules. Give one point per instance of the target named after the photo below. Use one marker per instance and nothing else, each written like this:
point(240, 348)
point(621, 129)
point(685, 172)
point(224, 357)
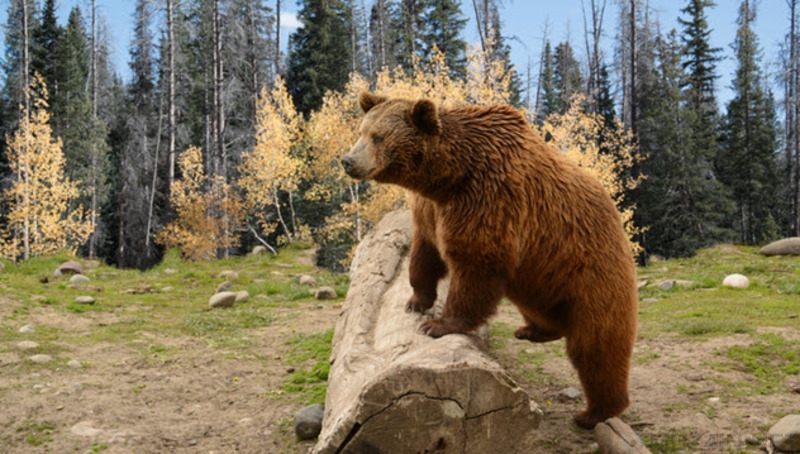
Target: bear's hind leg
point(534, 333)
point(603, 365)
point(425, 270)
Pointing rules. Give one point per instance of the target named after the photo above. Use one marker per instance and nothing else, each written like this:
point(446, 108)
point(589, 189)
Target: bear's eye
point(377, 140)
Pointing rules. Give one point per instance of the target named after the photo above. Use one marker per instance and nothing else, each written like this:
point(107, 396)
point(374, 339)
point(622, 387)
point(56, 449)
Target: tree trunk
point(171, 95)
point(391, 389)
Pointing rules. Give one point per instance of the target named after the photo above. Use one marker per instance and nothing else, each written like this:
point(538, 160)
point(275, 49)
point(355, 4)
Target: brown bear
point(506, 215)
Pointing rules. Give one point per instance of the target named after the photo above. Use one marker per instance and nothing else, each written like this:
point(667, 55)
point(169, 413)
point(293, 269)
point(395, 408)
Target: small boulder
point(79, 279)
point(27, 345)
point(71, 267)
point(259, 250)
point(84, 300)
point(666, 284)
point(170, 271)
point(325, 293)
point(224, 287)
point(786, 246)
point(222, 299)
point(615, 437)
point(569, 394)
point(242, 296)
point(40, 359)
point(229, 274)
point(305, 279)
point(736, 281)
point(25, 329)
point(308, 422)
point(74, 364)
point(785, 435)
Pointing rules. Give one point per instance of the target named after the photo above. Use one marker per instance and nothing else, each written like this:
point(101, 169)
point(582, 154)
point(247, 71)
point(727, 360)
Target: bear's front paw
point(533, 333)
point(439, 327)
point(415, 304)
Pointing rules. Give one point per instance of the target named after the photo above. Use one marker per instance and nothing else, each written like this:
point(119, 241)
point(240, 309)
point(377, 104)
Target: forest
point(225, 138)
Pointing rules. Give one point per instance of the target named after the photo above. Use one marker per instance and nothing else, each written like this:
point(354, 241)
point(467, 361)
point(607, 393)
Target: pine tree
point(746, 162)
point(549, 101)
point(444, 25)
point(316, 52)
point(45, 41)
point(567, 74)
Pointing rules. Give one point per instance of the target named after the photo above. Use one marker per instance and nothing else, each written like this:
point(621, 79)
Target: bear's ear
point(425, 117)
point(367, 101)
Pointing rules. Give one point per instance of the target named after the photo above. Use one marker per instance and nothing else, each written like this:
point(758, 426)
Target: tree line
point(221, 139)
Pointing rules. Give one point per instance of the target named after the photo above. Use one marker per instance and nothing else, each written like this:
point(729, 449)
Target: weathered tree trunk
point(391, 389)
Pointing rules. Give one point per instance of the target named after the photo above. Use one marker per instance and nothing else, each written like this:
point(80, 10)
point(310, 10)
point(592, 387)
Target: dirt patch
point(160, 392)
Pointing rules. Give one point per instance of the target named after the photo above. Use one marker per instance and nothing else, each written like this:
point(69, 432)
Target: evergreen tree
point(383, 35)
point(45, 41)
point(548, 98)
point(568, 77)
point(316, 52)
point(444, 24)
point(746, 162)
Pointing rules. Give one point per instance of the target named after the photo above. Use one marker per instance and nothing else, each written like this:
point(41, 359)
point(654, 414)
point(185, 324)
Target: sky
point(525, 21)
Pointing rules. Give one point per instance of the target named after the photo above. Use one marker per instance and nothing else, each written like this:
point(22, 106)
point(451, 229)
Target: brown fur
point(506, 215)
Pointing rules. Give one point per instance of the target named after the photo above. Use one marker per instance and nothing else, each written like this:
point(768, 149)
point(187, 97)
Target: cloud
point(289, 20)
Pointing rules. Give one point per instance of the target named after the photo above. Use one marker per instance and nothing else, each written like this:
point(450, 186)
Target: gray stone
point(641, 284)
point(167, 288)
point(84, 300)
point(786, 246)
point(57, 273)
point(229, 274)
point(305, 279)
point(736, 281)
point(79, 279)
point(325, 293)
point(785, 435)
point(71, 267)
point(40, 359)
point(258, 250)
point(242, 296)
point(27, 345)
point(74, 364)
point(225, 286)
point(27, 329)
point(752, 440)
point(650, 300)
point(308, 422)
point(170, 271)
point(569, 394)
point(222, 299)
point(666, 284)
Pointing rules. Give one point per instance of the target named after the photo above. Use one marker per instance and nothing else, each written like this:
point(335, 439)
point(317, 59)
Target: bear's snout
point(348, 163)
point(358, 163)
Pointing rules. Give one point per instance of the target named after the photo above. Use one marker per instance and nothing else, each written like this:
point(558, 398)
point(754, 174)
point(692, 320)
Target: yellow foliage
point(41, 219)
point(270, 166)
point(207, 216)
point(580, 137)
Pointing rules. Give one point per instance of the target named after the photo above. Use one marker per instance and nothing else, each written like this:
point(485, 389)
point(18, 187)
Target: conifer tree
point(46, 38)
point(567, 75)
point(316, 52)
point(444, 25)
point(746, 162)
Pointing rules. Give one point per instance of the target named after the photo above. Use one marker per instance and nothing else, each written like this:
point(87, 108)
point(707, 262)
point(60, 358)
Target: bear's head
point(395, 138)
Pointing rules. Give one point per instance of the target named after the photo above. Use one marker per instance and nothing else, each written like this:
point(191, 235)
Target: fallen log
point(394, 390)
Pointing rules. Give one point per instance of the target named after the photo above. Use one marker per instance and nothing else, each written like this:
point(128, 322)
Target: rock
point(683, 283)
point(79, 279)
point(325, 293)
point(85, 429)
point(222, 299)
point(170, 271)
point(167, 288)
point(649, 300)
point(56, 273)
point(641, 284)
point(786, 246)
point(785, 435)
point(27, 345)
point(615, 437)
point(308, 422)
point(71, 267)
point(225, 286)
point(229, 274)
point(258, 250)
point(752, 440)
point(305, 279)
point(569, 394)
point(40, 359)
point(27, 329)
point(736, 281)
point(84, 300)
point(242, 296)
point(666, 284)
point(74, 364)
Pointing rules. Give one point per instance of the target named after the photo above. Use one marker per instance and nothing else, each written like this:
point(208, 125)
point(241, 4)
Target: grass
point(312, 355)
point(769, 360)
